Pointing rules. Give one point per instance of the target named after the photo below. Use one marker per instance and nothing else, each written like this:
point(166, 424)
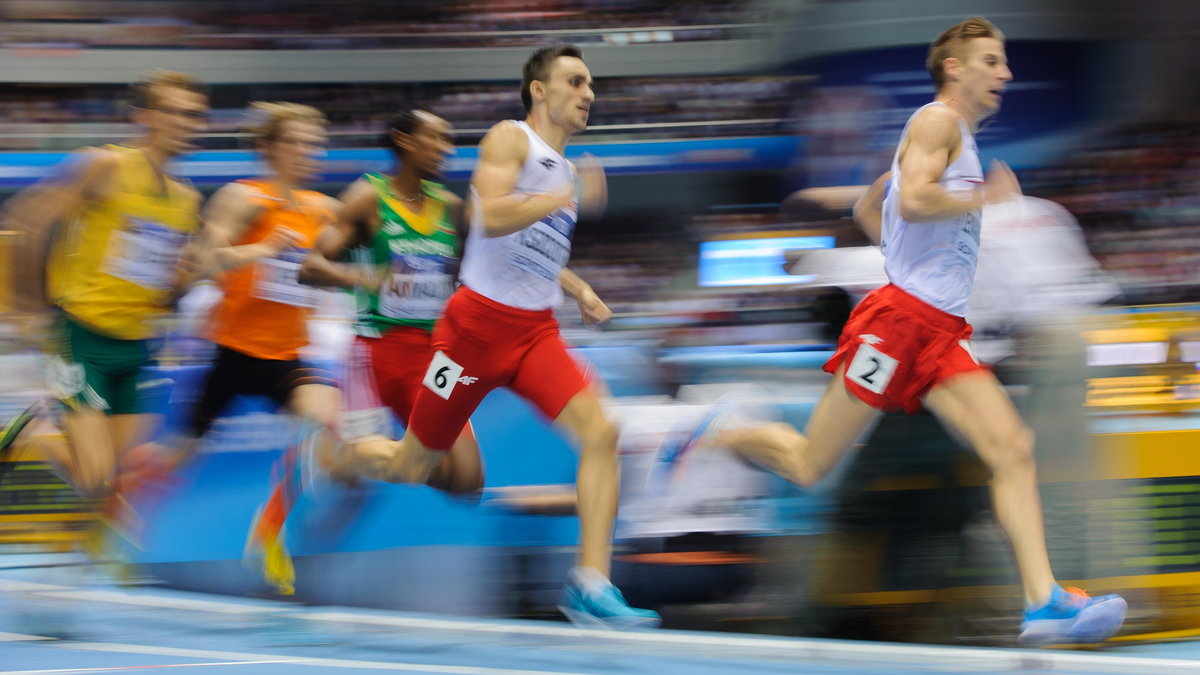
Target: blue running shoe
point(605, 610)
point(1073, 617)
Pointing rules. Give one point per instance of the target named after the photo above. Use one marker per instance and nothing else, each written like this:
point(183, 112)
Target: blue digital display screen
point(753, 262)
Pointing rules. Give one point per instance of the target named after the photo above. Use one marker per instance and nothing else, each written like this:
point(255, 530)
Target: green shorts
point(85, 369)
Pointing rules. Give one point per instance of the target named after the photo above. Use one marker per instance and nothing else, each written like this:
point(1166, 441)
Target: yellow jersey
point(113, 266)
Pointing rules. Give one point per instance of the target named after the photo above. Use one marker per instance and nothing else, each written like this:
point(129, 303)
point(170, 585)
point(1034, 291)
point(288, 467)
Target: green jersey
point(418, 253)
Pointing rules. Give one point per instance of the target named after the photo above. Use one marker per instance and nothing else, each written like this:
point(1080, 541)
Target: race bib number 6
point(442, 375)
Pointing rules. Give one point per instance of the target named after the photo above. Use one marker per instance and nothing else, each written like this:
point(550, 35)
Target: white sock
point(589, 580)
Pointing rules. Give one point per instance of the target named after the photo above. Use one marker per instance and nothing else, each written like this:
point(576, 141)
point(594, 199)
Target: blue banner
point(854, 117)
point(216, 167)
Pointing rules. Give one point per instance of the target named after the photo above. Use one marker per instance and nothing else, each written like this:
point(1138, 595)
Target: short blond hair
point(951, 42)
point(267, 119)
point(141, 93)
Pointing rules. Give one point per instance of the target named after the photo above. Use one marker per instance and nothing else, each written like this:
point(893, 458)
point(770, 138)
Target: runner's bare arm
point(868, 210)
point(354, 224)
point(591, 307)
point(195, 260)
point(357, 219)
point(460, 216)
point(572, 284)
point(594, 185)
point(501, 154)
point(932, 140)
point(227, 216)
point(34, 212)
point(834, 198)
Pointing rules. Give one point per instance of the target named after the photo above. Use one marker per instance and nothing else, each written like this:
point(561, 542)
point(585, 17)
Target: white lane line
point(27, 586)
point(110, 669)
point(308, 661)
point(117, 597)
point(18, 637)
point(825, 651)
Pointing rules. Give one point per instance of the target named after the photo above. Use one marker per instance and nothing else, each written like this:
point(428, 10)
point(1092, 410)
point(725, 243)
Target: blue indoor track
point(82, 624)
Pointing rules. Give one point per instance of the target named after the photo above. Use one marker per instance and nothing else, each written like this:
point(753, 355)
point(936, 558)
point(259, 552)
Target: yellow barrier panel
point(8, 239)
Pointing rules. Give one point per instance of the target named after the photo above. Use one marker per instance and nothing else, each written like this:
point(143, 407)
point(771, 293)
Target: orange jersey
point(265, 310)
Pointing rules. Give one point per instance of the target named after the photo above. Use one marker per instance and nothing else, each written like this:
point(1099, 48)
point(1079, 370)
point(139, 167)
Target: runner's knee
point(1010, 451)
point(599, 435)
point(92, 481)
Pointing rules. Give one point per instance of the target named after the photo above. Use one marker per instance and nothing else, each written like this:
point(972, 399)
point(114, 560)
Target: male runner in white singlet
point(499, 330)
point(906, 345)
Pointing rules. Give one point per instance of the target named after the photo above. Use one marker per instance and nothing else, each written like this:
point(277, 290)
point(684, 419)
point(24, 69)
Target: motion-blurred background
point(718, 123)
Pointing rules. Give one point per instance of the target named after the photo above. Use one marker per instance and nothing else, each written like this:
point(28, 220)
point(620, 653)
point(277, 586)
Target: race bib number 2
point(871, 369)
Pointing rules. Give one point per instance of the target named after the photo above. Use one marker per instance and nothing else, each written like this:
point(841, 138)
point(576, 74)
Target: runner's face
point(984, 74)
point(174, 119)
point(569, 93)
point(429, 147)
point(296, 152)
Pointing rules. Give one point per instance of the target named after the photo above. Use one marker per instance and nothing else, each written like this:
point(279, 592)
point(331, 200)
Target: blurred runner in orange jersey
point(261, 230)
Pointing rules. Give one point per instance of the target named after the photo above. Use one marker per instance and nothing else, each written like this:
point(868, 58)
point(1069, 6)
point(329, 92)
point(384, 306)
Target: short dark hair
point(141, 93)
point(406, 120)
point(537, 67)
